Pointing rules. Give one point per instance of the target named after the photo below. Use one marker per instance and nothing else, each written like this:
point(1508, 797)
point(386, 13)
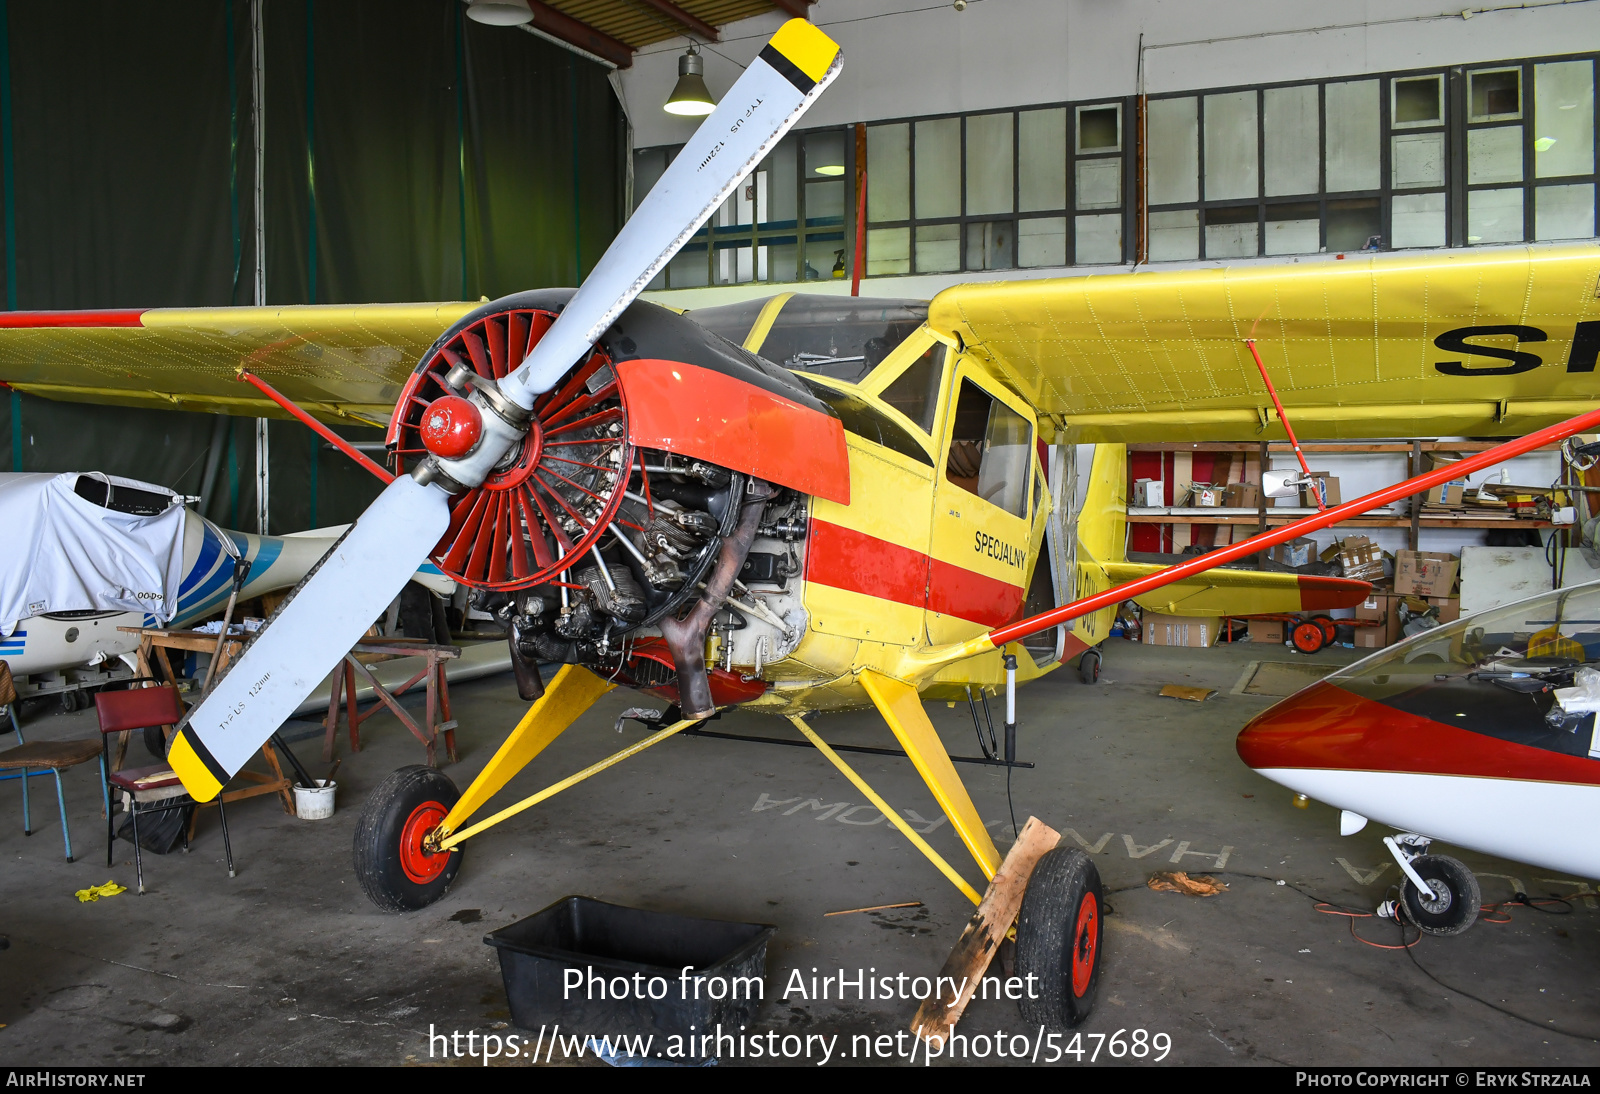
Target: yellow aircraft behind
point(654, 505)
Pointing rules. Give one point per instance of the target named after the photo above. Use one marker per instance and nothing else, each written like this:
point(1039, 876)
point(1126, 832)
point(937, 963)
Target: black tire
point(395, 872)
point(1330, 630)
point(1060, 938)
point(155, 742)
point(1453, 905)
point(1089, 667)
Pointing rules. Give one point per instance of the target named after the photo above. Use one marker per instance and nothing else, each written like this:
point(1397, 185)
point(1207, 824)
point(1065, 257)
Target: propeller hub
point(451, 427)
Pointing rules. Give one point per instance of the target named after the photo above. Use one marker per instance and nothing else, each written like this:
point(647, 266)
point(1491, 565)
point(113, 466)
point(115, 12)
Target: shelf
point(1329, 448)
point(1278, 516)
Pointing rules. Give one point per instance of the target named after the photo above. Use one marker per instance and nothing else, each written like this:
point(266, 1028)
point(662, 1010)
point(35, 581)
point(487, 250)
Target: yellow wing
point(1241, 592)
point(1357, 346)
point(340, 362)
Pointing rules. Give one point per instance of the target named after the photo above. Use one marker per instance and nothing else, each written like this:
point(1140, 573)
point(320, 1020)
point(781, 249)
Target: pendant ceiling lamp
point(500, 13)
point(690, 96)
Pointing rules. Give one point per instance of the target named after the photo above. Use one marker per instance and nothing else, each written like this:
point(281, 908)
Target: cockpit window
point(991, 449)
point(841, 337)
point(915, 392)
point(864, 420)
point(1496, 672)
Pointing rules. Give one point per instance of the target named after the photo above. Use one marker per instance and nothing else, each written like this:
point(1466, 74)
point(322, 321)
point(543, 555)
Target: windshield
point(841, 337)
point(1496, 672)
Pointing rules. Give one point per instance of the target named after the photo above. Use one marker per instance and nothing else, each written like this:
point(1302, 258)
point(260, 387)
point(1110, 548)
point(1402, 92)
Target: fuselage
point(1457, 734)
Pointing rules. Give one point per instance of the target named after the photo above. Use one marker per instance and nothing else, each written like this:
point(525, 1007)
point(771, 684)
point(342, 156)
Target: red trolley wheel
point(1329, 629)
point(1307, 636)
point(557, 492)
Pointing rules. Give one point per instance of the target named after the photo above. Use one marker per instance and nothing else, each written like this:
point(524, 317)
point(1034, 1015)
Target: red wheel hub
point(1085, 941)
point(451, 427)
point(420, 864)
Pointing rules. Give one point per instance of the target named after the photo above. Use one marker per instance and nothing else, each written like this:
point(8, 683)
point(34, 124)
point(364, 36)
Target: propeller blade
point(324, 616)
point(780, 84)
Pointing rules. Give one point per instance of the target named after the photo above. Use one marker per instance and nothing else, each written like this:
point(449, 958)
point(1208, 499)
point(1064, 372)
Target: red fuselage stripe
point(844, 558)
point(1328, 728)
point(109, 318)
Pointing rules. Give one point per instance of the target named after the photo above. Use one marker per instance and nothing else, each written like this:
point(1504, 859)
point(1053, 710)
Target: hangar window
point(1501, 152)
point(991, 449)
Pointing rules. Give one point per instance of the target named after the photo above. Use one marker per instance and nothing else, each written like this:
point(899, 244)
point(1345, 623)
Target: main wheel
point(1308, 636)
point(1059, 938)
point(1451, 905)
point(1089, 667)
point(395, 869)
point(155, 742)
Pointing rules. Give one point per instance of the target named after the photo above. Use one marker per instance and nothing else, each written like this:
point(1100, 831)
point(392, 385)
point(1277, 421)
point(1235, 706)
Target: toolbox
point(608, 944)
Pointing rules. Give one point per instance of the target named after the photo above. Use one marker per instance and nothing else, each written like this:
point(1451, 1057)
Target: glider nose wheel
point(1059, 935)
point(392, 859)
point(1451, 904)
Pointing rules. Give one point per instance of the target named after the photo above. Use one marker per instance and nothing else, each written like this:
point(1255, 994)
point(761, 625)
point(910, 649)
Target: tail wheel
point(1089, 667)
point(1059, 938)
point(1308, 636)
point(1451, 903)
point(396, 869)
point(1330, 630)
point(553, 495)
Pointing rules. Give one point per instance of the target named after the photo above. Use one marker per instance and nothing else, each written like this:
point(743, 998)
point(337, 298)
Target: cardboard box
point(1361, 558)
point(1149, 493)
point(1180, 630)
point(1425, 573)
point(1448, 495)
point(1324, 482)
point(1449, 607)
point(1242, 495)
point(1371, 638)
point(1269, 631)
point(1202, 495)
point(1295, 553)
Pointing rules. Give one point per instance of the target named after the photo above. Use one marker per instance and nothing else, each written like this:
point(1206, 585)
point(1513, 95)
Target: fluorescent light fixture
point(1543, 144)
point(500, 13)
point(830, 169)
point(690, 97)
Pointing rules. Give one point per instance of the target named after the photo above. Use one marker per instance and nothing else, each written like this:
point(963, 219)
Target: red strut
point(1316, 491)
point(327, 434)
point(1255, 544)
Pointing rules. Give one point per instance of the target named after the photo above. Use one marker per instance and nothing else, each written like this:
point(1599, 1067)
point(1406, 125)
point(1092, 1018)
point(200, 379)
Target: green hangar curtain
point(410, 154)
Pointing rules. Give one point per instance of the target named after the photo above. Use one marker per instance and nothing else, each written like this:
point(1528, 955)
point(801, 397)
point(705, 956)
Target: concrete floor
point(289, 963)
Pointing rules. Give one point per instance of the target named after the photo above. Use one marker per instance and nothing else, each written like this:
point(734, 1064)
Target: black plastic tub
point(629, 970)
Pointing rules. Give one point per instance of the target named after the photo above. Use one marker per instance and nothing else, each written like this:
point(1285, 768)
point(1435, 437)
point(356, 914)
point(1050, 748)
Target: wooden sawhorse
point(437, 720)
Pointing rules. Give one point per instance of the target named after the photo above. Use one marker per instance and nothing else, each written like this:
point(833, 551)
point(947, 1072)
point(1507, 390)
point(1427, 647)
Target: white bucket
point(315, 803)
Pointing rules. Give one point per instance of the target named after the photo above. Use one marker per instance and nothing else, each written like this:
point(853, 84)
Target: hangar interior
point(976, 196)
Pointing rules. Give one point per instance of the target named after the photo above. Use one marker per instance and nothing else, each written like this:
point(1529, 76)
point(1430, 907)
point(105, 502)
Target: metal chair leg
point(222, 815)
point(138, 859)
point(61, 801)
point(27, 820)
point(111, 838)
point(105, 785)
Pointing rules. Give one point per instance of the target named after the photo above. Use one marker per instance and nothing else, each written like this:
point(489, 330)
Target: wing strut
point(1284, 418)
point(944, 655)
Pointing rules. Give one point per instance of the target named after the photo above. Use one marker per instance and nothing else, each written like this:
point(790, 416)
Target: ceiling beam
point(684, 19)
point(559, 24)
point(794, 8)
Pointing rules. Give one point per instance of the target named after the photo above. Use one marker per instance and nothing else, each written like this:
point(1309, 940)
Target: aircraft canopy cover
point(62, 552)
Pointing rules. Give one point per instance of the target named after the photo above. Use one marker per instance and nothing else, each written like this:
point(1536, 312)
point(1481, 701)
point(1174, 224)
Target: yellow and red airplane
point(665, 508)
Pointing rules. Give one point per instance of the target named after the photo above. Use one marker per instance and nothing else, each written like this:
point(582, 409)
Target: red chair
point(141, 709)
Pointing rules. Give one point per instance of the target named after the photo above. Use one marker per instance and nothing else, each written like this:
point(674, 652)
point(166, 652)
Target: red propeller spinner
point(451, 427)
